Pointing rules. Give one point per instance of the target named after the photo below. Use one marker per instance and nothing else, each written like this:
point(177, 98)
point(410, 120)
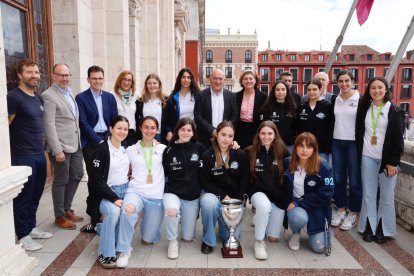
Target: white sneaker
point(260, 250)
point(349, 223)
point(294, 242)
point(123, 259)
point(29, 244)
point(173, 249)
point(253, 220)
point(39, 234)
point(338, 218)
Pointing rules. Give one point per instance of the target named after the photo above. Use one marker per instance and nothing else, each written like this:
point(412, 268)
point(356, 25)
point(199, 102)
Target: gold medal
point(374, 140)
point(149, 179)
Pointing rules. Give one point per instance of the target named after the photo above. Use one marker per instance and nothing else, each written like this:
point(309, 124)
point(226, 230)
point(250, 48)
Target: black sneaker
point(107, 262)
point(88, 228)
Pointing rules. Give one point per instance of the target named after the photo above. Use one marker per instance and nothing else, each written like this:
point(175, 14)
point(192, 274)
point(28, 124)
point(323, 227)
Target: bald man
point(212, 106)
point(325, 95)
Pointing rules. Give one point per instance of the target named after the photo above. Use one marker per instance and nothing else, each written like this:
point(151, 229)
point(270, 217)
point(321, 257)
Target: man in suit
point(62, 134)
point(325, 95)
point(212, 106)
point(96, 110)
point(287, 77)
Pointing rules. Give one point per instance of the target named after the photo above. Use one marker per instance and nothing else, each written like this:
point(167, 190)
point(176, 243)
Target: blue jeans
point(27, 201)
point(108, 229)
point(371, 179)
point(346, 166)
point(210, 214)
point(297, 219)
point(268, 219)
point(187, 212)
point(150, 224)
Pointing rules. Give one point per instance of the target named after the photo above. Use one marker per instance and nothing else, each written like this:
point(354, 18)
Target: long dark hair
point(366, 99)
point(290, 103)
point(182, 122)
point(217, 152)
point(278, 146)
point(193, 85)
point(118, 118)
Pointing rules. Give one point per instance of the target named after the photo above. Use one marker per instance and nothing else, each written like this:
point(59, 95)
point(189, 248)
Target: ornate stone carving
point(135, 7)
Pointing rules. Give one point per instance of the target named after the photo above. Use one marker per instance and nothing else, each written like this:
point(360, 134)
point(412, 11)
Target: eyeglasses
point(127, 80)
point(96, 79)
point(63, 75)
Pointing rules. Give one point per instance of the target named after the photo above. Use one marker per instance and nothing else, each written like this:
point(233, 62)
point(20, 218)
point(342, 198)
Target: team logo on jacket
point(304, 112)
point(311, 183)
point(257, 161)
point(320, 115)
point(96, 163)
point(234, 165)
point(174, 160)
point(194, 157)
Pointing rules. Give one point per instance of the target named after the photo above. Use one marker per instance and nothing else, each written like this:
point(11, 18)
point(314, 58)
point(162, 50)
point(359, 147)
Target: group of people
point(152, 158)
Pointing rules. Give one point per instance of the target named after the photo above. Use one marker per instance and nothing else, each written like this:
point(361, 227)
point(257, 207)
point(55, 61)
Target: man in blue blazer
point(212, 106)
point(96, 110)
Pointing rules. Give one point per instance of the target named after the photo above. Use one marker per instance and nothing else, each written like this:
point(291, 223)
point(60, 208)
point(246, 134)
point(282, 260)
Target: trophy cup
point(232, 211)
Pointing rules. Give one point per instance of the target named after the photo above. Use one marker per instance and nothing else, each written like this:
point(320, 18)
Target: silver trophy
point(232, 211)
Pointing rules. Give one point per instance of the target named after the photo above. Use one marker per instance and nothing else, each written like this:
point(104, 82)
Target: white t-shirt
point(118, 166)
point(375, 151)
point(299, 183)
point(186, 105)
point(138, 183)
point(154, 108)
point(127, 110)
point(345, 116)
point(217, 108)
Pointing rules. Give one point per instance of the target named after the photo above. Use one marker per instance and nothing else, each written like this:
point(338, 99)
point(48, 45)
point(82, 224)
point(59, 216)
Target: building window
point(208, 71)
point(264, 57)
point(335, 72)
point(292, 57)
point(307, 57)
point(294, 88)
point(229, 56)
point(307, 74)
point(321, 69)
point(385, 73)
point(370, 73)
point(247, 68)
point(320, 58)
point(278, 57)
point(351, 57)
point(209, 56)
point(229, 73)
point(354, 72)
point(407, 74)
point(278, 71)
point(387, 57)
point(264, 74)
point(336, 57)
point(248, 56)
point(335, 89)
point(229, 87)
point(294, 72)
point(369, 57)
point(405, 91)
point(264, 88)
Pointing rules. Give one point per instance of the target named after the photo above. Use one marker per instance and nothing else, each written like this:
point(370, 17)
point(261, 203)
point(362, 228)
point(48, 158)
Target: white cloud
point(312, 24)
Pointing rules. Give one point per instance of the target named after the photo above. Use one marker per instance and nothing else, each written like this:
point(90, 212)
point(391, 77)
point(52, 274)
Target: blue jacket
point(319, 190)
point(89, 116)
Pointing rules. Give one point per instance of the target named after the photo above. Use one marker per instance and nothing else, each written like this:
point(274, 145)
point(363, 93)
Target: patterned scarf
point(126, 96)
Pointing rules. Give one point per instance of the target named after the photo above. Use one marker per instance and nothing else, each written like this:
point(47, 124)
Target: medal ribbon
point(148, 161)
point(374, 121)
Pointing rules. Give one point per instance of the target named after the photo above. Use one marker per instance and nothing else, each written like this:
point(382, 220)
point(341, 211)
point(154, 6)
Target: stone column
point(135, 19)
point(13, 258)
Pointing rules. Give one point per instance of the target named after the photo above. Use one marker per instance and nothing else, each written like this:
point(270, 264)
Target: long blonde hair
point(118, 81)
point(145, 95)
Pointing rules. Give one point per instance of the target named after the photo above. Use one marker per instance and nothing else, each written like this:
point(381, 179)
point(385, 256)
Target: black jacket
point(173, 110)
point(181, 163)
point(203, 113)
point(221, 181)
point(319, 122)
point(264, 182)
point(394, 142)
point(284, 121)
point(164, 122)
point(97, 187)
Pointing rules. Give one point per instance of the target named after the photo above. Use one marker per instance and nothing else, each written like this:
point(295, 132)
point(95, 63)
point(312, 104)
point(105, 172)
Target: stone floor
point(70, 252)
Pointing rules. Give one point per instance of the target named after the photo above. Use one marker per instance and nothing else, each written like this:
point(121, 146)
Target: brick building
point(231, 53)
point(362, 60)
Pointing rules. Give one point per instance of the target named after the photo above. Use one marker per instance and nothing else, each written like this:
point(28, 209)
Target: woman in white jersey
point(346, 167)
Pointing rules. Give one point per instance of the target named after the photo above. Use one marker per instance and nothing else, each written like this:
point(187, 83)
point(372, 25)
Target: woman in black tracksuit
point(280, 108)
point(316, 116)
point(181, 160)
point(224, 174)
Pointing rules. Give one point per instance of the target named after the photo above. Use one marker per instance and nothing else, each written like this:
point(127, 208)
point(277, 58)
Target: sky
point(304, 25)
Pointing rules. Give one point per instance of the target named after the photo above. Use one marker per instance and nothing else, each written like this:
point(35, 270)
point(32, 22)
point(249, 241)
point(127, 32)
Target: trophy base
point(232, 253)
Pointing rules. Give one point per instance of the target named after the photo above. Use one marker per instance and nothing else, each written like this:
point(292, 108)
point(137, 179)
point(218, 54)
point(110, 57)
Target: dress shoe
point(65, 223)
point(379, 235)
point(368, 236)
point(70, 214)
point(206, 249)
